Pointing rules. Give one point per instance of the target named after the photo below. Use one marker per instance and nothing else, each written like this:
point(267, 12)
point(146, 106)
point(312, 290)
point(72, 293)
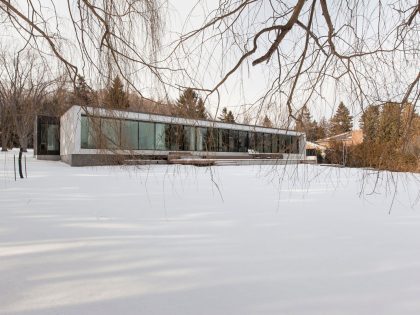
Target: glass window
point(224, 140)
point(90, 134)
point(287, 144)
point(189, 138)
point(162, 136)
point(283, 143)
point(267, 143)
point(44, 137)
point(53, 138)
point(110, 129)
point(259, 143)
point(243, 141)
point(311, 152)
point(201, 139)
point(176, 136)
point(252, 140)
point(233, 140)
point(48, 135)
point(134, 135)
point(212, 139)
point(275, 143)
point(146, 135)
point(94, 136)
point(129, 135)
point(295, 144)
point(84, 132)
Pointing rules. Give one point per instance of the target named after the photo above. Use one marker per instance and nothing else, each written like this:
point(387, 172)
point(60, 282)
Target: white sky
point(247, 86)
point(243, 88)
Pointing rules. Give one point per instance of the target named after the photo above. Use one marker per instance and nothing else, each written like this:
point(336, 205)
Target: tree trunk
point(4, 134)
point(20, 163)
point(23, 143)
point(3, 140)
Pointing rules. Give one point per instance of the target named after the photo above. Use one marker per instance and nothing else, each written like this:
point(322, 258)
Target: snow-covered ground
point(225, 240)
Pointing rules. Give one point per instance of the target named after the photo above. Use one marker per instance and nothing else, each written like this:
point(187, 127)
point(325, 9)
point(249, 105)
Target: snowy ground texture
point(166, 240)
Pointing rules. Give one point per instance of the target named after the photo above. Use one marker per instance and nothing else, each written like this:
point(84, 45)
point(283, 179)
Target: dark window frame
point(47, 121)
point(225, 140)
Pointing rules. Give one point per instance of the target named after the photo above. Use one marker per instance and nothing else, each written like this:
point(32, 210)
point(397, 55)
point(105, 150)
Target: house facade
point(98, 136)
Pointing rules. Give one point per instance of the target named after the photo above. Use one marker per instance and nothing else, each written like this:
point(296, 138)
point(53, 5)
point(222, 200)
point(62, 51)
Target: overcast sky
point(245, 87)
point(248, 85)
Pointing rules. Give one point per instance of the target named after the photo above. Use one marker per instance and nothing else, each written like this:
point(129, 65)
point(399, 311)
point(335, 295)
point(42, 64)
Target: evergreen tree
point(389, 129)
point(227, 116)
point(303, 119)
point(266, 122)
point(223, 115)
point(391, 137)
point(342, 120)
point(304, 123)
point(369, 123)
point(190, 105)
point(115, 96)
point(311, 132)
point(82, 93)
point(321, 129)
point(230, 117)
point(408, 119)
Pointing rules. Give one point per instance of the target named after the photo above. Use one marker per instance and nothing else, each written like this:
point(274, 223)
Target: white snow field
point(164, 240)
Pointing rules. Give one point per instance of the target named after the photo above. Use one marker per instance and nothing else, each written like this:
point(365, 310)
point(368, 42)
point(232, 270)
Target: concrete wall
point(70, 130)
point(302, 145)
point(48, 157)
point(72, 153)
point(35, 136)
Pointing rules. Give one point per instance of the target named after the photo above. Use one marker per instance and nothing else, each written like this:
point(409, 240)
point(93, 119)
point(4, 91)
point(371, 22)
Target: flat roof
point(136, 115)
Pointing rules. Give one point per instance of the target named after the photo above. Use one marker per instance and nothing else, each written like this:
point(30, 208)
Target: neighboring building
point(97, 136)
point(347, 138)
point(313, 150)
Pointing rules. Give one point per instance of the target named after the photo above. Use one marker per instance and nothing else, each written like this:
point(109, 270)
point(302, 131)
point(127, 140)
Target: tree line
point(391, 131)
point(340, 123)
point(304, 48)
point(25, 91)
point(391, 138)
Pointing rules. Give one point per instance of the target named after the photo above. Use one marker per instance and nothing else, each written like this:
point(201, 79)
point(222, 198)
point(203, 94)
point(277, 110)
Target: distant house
point(313, 150)
point(348, 139)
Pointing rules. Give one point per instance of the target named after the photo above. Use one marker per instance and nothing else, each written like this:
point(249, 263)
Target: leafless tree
point(5, 122)
point(98, 38)
point(23, 86)
point(368, 51)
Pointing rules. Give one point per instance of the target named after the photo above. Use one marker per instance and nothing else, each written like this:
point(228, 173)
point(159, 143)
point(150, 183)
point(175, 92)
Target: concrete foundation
point(48, 157)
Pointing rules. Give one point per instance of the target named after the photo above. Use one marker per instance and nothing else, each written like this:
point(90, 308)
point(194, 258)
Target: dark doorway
point(47, 135)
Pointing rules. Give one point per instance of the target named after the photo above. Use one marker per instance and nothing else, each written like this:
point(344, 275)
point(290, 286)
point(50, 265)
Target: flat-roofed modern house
point(98, 136)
